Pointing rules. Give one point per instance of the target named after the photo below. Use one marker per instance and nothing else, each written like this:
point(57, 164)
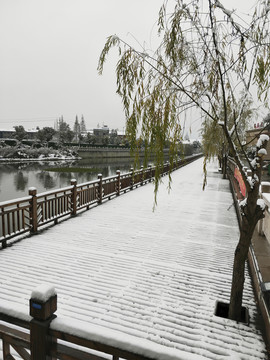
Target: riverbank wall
point(107, 153)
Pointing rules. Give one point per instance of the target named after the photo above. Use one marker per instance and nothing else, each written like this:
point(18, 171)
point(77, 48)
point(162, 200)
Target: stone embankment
point(107, 153)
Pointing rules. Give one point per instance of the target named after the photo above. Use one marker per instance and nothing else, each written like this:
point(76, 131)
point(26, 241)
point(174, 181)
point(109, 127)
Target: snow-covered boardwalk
point(153, 275)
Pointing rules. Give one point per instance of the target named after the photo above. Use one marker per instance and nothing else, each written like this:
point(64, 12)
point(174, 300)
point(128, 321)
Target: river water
point(17, 177)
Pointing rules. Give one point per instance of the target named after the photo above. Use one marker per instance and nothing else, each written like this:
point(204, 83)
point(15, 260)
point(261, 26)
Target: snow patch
point(21, 200)
point(251, 182)
point(142, 347)
point(254, 163)
point(261, 203)
point(243, 203)
point(43, 292)
point(15, 310)
point(262, 152)
point(262, 139)
point(32, 188)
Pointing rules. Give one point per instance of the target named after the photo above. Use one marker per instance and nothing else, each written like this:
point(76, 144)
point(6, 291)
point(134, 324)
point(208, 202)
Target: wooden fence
point(29, 213)
point(32, 337)
point(261, 289)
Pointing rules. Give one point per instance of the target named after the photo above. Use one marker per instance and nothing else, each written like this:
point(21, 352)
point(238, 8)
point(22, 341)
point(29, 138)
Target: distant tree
point(82, 125)
point(209, 59)
point(46, 134)
point(69, 135)
point(76, 129)
point(113, 138)
point(81, 138)
point(64, 131)
point(88, 138)
point(91, 139)
point(20, 132)
point(105, 140)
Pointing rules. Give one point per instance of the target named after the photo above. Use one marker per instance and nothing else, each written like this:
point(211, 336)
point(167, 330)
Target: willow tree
point(214, 140)
point(210, 59)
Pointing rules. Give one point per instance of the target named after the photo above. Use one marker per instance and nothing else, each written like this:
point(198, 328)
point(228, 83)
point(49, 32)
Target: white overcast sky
point(49, 56)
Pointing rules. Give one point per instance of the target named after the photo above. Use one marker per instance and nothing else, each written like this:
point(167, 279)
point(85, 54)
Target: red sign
point(240, 180)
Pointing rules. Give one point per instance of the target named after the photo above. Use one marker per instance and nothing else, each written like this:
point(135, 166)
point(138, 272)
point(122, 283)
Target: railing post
point(265, 188)
point(131, 178)
point(73, 182)
point(118, 183)
point(100, 189)
point(150, 173)
point(4, 242)
point(43, 304)
point(142, 175)
point(33, 209)
point(167, 167)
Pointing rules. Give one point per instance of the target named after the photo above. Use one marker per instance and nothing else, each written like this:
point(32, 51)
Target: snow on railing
point(40, 335)
point(264, 224)
point(261, 287)
point(29, 213)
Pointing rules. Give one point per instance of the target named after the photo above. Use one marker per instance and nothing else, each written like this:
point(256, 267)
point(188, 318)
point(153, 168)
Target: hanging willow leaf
point(206, 60)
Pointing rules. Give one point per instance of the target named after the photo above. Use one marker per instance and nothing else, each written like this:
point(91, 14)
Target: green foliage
point(65, 134)
point(214, 141)
point(46, 134)
point(77, 129)
point(20, 133)
point(82, 124)
point(207, 59)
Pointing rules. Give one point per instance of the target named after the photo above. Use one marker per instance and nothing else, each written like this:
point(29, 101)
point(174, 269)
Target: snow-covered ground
point(155, 276)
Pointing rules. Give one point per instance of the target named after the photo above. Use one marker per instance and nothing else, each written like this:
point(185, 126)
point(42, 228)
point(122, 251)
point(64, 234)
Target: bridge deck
point(154, 275)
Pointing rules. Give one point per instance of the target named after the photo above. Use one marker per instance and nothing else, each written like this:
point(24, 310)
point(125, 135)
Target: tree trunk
point(238, 279)
point(251, 213)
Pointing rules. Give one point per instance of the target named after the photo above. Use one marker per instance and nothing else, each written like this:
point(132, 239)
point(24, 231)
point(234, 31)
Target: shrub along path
point(152, 275)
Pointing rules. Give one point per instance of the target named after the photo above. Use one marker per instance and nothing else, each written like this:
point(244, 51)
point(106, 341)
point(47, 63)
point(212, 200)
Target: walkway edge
point(254, 270)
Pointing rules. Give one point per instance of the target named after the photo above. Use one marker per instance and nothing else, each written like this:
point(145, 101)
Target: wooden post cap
point(43, 302)
point(32, 191)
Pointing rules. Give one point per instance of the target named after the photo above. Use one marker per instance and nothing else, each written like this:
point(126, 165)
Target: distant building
point(7, 134)
point(10, 134)
point(105, 136)
point(103, 131)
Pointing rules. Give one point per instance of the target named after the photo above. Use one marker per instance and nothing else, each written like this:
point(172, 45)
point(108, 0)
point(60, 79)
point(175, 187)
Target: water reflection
point(46, 179)
point(20, 181)
point(16, 178)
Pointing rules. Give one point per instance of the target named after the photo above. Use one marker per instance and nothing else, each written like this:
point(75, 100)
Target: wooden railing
point(30, 213)
point(260, 241)
point(40, 336)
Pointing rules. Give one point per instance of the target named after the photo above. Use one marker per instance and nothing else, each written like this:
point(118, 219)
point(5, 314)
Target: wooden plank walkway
point(152, 275)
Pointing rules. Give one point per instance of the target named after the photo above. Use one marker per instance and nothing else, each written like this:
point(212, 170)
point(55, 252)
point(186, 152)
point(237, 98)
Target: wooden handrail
point(29, 213)
point(47, 341)
point(101, 347)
